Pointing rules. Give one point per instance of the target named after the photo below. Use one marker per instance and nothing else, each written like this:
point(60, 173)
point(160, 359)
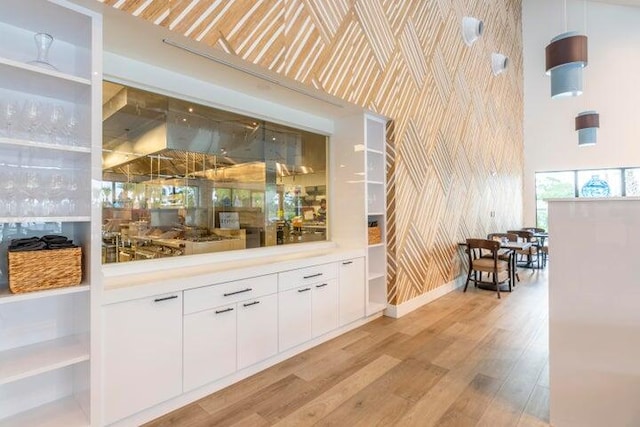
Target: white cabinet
point(352, 290)
point(47, 163)
point(257, 330)
point(309, 310)
point(220, 339)
point(324, 307)
point(209, 345)
point(294, 316)
point(142, 354)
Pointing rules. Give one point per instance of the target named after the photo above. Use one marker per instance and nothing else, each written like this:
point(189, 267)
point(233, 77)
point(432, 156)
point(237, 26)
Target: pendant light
point(566, 56)
point(587, 124)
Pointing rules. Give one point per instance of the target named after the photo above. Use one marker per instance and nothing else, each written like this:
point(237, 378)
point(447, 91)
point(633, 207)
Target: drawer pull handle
point(224, 311)
point(238, 292)
point(322, 286)
point(304, 290)
point(251, 303)
point(313, 275)
point(347, 262)
point(165, 298)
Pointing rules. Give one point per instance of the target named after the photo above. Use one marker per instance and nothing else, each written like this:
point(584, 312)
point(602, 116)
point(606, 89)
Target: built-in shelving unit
point(47, 164)
point(359, 153)
point(376, 203)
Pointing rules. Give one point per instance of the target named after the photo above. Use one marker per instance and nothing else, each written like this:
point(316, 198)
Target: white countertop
point(180, 273)
point(595, 199)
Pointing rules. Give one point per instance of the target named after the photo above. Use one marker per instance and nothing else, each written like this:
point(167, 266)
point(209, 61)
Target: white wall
point(611, 87)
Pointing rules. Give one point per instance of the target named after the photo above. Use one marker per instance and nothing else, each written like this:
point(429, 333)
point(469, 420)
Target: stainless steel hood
point(148, 136)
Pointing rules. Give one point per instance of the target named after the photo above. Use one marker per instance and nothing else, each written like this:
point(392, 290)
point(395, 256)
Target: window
point(181, 179)
point(550, 185)
point(611, 182)
point(632, 182)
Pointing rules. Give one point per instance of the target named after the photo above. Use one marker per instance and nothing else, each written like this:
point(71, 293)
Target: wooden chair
point(479, 262)
point(505, 255)
point(545, 255)
point(533, 251)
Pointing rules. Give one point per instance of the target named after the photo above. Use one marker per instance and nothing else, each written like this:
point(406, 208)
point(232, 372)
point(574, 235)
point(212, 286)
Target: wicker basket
point(374, 235)
point(46, 269)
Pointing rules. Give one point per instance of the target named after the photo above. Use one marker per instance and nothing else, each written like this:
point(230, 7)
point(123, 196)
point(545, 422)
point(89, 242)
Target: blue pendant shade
point(587, 124)
point(566, 56)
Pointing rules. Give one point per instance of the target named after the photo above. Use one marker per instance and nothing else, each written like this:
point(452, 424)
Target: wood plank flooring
point(467, 359)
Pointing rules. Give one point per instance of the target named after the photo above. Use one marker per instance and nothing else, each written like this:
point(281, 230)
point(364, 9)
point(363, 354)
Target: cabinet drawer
point(228, 293)
point(294, 278)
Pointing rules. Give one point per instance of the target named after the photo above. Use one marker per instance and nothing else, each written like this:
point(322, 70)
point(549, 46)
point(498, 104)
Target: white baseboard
point(406, 307)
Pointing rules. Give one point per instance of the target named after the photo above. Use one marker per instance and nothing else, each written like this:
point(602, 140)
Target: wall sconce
point(587, 123)
point(566, 56)
point(499, 63)
point(472, 29)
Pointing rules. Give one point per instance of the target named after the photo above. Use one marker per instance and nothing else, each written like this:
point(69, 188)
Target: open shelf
point(12, 219)
point(376, 275)
point(375, 307)
point(6, 297)
point(35, 359)
point(35, 144)
point(44, 71)
point(60, 413)
point(45, 84)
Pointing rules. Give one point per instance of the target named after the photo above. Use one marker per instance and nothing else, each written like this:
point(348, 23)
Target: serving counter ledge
point(174, 275)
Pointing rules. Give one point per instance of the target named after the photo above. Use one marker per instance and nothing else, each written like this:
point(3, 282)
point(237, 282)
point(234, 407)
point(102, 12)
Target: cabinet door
point(294, 316)
point(324, 313)
point(257, 330)
point(351, 290)
point(142, 354)
point(209, 346)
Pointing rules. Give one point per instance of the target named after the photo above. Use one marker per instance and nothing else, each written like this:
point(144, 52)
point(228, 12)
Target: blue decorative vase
point(595, 187)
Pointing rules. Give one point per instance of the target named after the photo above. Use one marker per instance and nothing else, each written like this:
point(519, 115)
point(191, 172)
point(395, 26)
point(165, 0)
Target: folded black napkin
point(35, 246)
point(51, 241)
point(54, 238)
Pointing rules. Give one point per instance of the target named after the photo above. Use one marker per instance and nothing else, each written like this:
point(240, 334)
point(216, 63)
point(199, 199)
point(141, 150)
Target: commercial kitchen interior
point(463, 145)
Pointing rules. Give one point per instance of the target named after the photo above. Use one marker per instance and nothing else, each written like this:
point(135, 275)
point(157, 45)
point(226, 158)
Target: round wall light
point(499, 63)
point(472, 29)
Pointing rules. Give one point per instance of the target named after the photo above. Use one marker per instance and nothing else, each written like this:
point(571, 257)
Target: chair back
point(475, 248)
point(534, 229)
point(523, 235)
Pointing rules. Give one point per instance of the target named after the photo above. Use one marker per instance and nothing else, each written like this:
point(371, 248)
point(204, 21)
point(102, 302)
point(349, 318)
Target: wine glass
point(8, 113)
point(70, 129)
point(31, 115)
point(55, 121)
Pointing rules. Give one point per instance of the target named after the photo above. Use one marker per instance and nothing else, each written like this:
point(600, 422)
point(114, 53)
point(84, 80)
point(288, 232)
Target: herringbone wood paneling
point(455, 147)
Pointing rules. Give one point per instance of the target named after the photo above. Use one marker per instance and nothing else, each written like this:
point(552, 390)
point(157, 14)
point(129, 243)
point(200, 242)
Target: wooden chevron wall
point(455, 151)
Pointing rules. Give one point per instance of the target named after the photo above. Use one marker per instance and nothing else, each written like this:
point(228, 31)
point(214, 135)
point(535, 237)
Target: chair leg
point(495, 281)
point(468, 278)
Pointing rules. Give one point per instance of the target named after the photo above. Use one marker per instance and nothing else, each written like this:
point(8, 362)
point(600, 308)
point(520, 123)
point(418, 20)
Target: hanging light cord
point(565, 16)
point(585, 17)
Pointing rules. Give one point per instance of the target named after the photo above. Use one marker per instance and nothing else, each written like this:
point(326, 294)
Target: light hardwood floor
point(467, 359)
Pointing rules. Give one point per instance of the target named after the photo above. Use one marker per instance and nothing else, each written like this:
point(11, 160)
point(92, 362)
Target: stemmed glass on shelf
point(31, 116)
point(8, 113)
